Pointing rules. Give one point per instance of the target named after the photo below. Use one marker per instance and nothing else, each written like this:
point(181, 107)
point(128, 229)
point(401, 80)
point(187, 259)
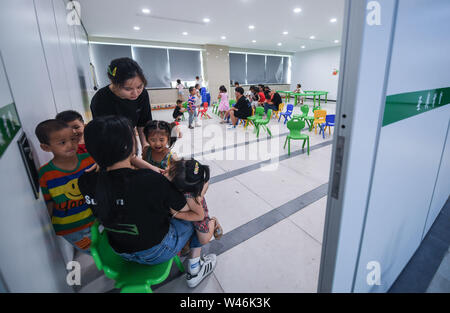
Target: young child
point(299, 90)
point(76, 122)
point(191, 178)
point(224, 105)
point(71, 217)
point(178, 111)
point(192, 109)
point(180, 88)
point(159, 135)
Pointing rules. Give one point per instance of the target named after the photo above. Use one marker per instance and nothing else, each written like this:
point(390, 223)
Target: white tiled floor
point(284, 257)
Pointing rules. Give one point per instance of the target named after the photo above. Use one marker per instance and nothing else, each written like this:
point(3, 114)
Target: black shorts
point(241, 115)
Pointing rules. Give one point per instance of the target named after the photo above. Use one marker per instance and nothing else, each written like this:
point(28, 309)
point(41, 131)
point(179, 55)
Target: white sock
point(194, 266)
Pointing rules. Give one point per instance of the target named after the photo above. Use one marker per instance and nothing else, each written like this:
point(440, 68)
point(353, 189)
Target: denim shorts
point(80, 240)
point(179, 233)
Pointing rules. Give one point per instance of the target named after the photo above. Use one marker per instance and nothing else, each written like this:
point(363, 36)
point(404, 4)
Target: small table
point(288, 94)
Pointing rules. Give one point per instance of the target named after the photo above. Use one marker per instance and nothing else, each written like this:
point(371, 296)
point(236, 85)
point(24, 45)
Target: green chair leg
point(308, 145)
point(289, 147)
point(268, 130)
point(136, 289)
point(178, 263)
point(304, 142)
point(284, 147)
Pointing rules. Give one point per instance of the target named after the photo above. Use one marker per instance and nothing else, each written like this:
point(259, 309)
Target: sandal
point(218, 231)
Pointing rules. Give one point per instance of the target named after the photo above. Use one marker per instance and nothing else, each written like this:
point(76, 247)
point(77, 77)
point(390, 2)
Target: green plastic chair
point(130, 277)
point(295, 126)
point(231, 102)
point(259, 112)
point(261, 123)
point(304, 116)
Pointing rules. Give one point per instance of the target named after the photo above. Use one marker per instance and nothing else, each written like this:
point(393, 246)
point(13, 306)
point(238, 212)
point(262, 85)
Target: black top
point(140, 202)
point(244, 109)
point(276, 100)
point(138, 111)
point(177, 112)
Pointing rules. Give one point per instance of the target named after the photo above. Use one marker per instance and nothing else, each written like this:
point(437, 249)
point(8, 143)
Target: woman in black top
point(125, 96)
point(138, 207)
point(273, 102)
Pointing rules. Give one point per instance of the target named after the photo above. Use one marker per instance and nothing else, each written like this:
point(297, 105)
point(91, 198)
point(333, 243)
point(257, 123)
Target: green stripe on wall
point(402, 106)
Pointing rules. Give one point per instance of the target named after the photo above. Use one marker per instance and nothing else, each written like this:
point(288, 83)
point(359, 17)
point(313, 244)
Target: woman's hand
point(93, 168)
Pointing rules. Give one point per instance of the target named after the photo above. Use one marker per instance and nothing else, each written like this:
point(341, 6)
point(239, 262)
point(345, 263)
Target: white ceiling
point(170, 18)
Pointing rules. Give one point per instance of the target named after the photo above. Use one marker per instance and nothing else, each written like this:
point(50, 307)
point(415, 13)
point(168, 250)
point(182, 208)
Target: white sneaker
point(207, 267)
point(231, 126)
point(197, 125)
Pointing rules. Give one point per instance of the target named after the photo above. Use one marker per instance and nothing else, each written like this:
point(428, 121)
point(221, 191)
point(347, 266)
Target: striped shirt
point(70, 212)
point(191, 103)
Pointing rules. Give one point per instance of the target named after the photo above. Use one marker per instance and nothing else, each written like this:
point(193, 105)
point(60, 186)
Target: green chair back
point(305, 109)
point(129, 276)
point(295, 125)
point(185, 105)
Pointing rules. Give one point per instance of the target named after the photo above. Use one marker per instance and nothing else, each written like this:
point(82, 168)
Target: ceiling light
point(136, 28)
point(303, 47)
point(336, 41)
point(185, 33)
point(312, 37)
point(285, 33)
point(253, 41)
point(223, 37)
point(297, 10)
point(146, 11)
point(251, 27)
point(279, 44)
point(333, 20)
point(206, 20)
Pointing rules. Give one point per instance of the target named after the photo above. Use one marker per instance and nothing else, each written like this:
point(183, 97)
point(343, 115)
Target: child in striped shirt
point(192, 108)
point(71, 216)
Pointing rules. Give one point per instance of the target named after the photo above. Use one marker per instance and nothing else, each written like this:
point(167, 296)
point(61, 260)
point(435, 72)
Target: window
point(247, 68)
point(102, 55)
point(155, 64)
point(185, 64)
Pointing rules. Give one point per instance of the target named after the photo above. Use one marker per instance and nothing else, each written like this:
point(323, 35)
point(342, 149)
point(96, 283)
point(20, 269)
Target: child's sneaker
point(207, 267)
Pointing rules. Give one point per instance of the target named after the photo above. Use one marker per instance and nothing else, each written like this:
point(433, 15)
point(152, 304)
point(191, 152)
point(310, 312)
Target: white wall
point(42, 71)
point(313, 70)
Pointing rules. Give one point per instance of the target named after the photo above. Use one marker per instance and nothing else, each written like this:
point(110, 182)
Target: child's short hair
point(161, 126)
point(44, 129)
point(222, 88)
point(69, 116)
point(179, 101)
point(190, 89)
point(189, 175)
point(178, 81)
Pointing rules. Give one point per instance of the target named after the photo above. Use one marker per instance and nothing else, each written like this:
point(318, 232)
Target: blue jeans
point(179, 233)
point(192, 116)
point(269, 106)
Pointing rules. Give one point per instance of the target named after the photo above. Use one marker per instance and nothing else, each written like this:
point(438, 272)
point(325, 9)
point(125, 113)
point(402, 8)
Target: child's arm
point(50, 208)
point(139, 163)
point(192, 212)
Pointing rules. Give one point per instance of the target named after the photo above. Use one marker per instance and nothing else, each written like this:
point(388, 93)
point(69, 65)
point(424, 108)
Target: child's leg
point(204, 238)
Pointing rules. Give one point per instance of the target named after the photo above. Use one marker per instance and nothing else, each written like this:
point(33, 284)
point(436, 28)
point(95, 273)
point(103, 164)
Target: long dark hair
point(109, 139)
point(161, 126)
point(189, 176)
point(122, 69)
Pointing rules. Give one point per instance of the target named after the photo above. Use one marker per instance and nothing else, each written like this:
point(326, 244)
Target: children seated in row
point(241, 110)
point(71, 217)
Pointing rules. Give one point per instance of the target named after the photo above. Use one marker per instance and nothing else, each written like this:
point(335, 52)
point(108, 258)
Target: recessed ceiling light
point(136, 28)
point(336, 41)
point(303, 47)
point(185, 33)
point(297, 10)
point(253, 41)
point(206, 20)
point(146, 11)
point(251, 27)
point(223, 37)
point(333, 20)
point(279, 44)
point(312, 37)
point(285, 33)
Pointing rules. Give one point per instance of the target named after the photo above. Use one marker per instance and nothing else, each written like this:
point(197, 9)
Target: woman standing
point(125, 96)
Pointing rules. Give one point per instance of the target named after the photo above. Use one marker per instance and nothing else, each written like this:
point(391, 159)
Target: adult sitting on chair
point(146, 218)
point(241, 110)
point(273, 102)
